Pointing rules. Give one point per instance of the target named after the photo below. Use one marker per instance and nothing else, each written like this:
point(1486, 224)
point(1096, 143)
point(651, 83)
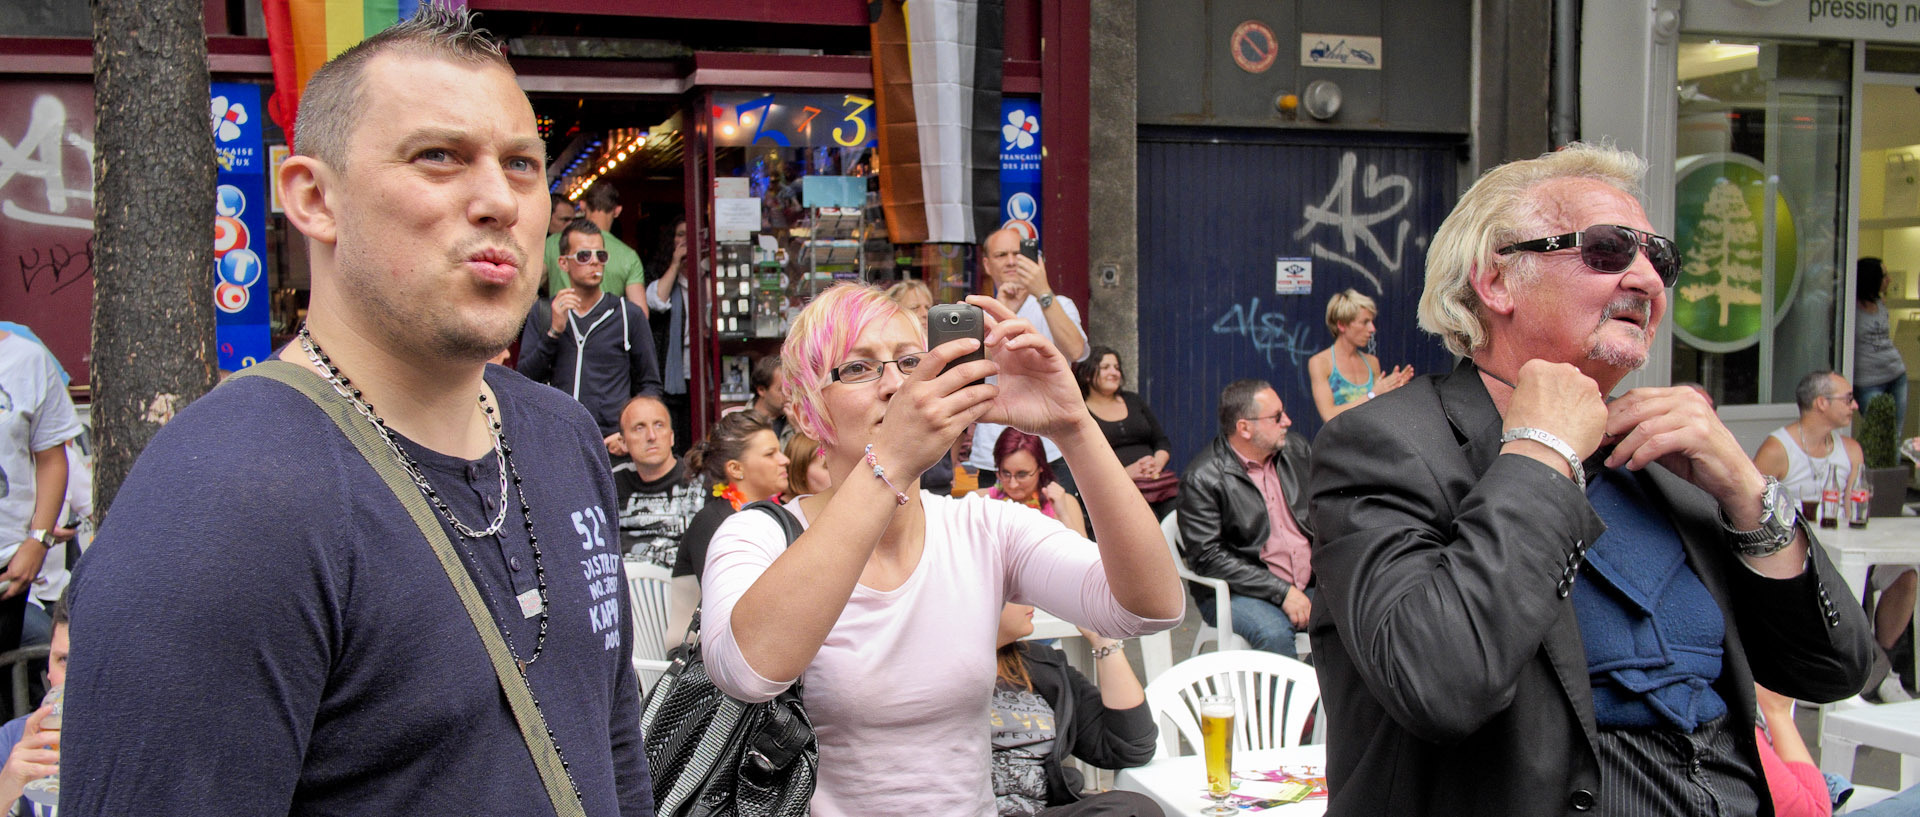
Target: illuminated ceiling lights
point(620, 145)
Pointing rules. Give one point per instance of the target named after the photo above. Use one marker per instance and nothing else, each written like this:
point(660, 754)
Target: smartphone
point(1031, 249)
point(948, 322)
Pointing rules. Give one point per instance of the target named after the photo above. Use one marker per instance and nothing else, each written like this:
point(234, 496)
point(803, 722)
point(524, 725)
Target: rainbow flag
point(303, 34)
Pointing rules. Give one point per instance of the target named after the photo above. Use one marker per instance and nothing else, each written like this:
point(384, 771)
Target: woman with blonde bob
point(1342, 375)
point(887, 606)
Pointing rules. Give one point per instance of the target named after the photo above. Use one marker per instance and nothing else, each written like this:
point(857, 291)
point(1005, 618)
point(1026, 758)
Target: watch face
point(1780, 508)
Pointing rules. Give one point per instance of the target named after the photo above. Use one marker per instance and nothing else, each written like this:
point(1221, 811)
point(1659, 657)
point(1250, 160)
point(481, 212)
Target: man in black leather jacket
point(1227, 531)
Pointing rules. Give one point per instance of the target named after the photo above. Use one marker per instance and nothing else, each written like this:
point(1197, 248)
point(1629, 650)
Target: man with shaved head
point(271, 633)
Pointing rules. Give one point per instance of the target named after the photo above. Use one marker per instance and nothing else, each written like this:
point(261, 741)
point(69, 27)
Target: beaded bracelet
point(899, 497)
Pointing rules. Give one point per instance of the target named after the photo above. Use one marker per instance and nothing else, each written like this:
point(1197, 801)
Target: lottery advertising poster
point(1020, 165)
point(239, 227)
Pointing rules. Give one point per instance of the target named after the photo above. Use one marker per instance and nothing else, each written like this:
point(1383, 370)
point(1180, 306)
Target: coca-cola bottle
point(1830, 508)
point(1859, 502)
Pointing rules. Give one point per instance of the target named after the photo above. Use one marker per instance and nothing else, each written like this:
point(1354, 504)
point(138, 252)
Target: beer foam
point(1213, 709)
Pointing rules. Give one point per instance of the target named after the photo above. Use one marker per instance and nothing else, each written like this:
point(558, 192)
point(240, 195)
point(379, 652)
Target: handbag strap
point(533, 727)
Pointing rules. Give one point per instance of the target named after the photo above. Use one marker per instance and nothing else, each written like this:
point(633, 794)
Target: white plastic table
point(1886, 540)
point(1179, 784)
point(1893, 727)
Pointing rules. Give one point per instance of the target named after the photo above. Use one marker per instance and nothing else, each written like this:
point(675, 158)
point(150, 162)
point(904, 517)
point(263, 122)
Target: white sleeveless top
point(1806, 474)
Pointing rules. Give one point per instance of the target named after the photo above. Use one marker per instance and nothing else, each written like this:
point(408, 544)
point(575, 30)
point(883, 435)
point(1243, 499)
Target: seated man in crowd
point(593, 345)
point(656, 497)
point(1800, 454)
point(35, 753)
point(1243, 512)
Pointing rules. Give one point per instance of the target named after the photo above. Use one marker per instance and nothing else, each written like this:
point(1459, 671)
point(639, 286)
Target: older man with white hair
point(1537, 600)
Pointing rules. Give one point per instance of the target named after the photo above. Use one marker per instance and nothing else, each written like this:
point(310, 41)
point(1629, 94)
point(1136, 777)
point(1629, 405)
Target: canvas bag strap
point(533, 727)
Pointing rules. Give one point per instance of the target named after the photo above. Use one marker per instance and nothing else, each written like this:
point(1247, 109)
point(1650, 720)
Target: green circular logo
point(1720, 228)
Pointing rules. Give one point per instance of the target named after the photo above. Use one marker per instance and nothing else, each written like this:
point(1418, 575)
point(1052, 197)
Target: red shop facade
point(687, 109)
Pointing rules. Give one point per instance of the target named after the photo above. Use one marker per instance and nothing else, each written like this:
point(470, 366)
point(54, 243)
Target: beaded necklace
point(503, 452)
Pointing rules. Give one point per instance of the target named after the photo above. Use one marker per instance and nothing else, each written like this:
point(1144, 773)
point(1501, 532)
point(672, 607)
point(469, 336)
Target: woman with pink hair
point(887, 607)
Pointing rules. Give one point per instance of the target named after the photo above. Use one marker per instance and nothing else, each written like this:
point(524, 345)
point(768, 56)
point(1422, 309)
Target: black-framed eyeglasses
point(1274, 417)
point(589, 256)
point(1610, 248)
point(864, 371)
point(1015, 476)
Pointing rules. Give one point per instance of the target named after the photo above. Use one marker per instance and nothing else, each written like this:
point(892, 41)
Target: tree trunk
point(153, 173)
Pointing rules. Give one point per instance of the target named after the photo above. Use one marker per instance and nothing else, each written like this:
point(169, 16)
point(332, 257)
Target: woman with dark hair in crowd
point(1026, 478)
point(887, 604)
point(741, 462)
point(1878, 367)
point(1044, 711)
point(1130, 427)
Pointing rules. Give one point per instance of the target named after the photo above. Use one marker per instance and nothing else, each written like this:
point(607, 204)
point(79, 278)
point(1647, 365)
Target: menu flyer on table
point(1262, 790)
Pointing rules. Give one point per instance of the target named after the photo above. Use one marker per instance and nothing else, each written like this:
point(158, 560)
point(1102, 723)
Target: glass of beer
point(1216, 732)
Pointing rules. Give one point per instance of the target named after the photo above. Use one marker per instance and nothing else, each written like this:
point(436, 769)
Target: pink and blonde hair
point(821, 338)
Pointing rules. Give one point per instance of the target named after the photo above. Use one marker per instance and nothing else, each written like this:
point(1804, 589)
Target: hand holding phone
point(950, 322)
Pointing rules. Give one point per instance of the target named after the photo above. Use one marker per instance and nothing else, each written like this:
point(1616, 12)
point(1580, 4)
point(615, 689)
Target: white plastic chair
point(1221, 634)
point(1274, 700)
point(1222, 605)
point(647, 586)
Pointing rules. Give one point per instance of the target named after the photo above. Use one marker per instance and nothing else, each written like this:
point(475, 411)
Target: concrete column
point(1113, 220)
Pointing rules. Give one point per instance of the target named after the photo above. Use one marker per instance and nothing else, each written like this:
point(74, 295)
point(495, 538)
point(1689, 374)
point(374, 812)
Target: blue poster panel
point(1243, 239)
point(1020, 165)
point(239, 227)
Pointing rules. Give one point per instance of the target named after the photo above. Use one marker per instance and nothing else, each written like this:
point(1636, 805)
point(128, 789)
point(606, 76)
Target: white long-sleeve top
point(900, 691)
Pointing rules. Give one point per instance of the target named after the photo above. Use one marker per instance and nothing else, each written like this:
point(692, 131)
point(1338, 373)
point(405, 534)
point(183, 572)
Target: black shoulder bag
point(712, 755)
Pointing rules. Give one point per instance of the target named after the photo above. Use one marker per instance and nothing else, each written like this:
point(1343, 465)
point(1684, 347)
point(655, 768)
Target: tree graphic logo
point(1726, 246)
point(1720, 218)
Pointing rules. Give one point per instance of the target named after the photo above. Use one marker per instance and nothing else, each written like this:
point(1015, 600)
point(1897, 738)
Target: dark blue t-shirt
point(265, 630)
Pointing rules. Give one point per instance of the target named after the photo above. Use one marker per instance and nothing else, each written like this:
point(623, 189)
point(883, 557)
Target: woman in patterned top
point(1044, 710)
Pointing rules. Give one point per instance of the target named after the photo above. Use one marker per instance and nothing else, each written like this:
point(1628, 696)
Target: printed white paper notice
point(1293, 276)
point(738, 215)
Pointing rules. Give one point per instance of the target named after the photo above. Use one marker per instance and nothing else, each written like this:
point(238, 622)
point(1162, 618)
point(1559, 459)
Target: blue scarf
point(1653, 633)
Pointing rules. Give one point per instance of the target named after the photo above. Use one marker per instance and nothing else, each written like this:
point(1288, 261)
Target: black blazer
point(1223, 518)
point(1449, 657)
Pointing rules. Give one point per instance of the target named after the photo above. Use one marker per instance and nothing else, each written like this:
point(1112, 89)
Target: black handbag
point(713, 755)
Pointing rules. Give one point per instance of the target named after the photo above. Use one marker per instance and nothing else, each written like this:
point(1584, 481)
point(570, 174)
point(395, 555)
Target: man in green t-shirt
point(624, 275)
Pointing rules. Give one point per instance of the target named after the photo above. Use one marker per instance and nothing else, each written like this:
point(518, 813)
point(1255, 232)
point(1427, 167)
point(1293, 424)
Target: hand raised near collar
point(1676, 428)
point(1558, 399)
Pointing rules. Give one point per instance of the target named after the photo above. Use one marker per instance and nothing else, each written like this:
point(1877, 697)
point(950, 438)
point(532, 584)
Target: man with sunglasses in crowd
point(1243, 511)
point(591, 344)
point(1533, 599)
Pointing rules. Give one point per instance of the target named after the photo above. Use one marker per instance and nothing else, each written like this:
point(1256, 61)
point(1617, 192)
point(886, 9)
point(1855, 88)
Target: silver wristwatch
point(1777, 516)
point(41, 535)
point(1046, 300)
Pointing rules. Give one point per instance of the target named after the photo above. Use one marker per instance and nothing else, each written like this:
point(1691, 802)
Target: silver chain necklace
point(504, 454)
point(346, 389)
